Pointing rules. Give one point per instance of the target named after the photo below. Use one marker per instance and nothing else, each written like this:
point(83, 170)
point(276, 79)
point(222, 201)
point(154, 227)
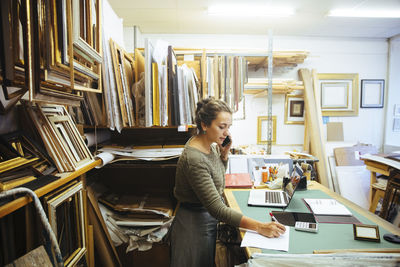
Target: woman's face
point(219, 128)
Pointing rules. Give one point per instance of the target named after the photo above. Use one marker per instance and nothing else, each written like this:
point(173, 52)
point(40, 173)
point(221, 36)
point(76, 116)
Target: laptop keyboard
point(272, 197)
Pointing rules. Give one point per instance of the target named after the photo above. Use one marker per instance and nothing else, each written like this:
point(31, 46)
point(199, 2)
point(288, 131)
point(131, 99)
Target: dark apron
point(193, 237)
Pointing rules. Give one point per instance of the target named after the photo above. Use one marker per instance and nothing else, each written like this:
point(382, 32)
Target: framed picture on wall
point(294, 109)
point(262, 130)
point(338, 94)
point(372, 93)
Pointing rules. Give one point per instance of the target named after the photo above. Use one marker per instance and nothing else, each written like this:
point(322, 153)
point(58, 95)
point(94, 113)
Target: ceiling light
point(364, 13)
point(250, 11)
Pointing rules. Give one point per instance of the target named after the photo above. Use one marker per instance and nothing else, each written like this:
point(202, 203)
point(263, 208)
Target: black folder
point(290, 218)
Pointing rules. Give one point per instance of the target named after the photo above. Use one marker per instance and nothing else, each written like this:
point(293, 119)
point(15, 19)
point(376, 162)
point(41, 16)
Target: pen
point(273, 217)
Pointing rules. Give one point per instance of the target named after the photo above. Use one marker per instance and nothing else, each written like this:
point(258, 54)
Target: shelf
point(147, 165)
point(256, 58)
point(259, 87)
point(64, 178)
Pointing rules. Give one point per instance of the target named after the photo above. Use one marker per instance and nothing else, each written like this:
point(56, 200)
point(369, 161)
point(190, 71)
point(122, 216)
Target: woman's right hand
point(272, 229)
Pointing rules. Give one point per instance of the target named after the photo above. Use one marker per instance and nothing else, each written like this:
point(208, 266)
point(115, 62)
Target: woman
point(199, 184)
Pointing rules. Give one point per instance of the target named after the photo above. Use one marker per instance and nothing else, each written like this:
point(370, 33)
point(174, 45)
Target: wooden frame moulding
point(88, 49)
point(77, 137)
point(261, 129)
point(127, 79)
point(74, 194)
point(124, 95)
point(289, 119)
point(14, 27)
point(351, 80)
point(37, 87)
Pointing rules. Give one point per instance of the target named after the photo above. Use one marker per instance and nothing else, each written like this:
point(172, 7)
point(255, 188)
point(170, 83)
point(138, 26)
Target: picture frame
point(294, 109)
point(366, 232)
point(334, 95)
point(338, 93)
point(372, 93)
point(262, 130)
point(68, 221)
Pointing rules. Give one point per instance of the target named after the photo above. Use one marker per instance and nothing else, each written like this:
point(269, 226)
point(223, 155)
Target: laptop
point(272, 198)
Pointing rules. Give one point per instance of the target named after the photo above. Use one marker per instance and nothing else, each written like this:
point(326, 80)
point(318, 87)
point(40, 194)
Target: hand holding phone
point(226, 141)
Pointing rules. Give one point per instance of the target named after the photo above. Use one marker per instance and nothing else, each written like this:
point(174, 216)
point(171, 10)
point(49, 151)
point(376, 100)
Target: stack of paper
point(327, 207)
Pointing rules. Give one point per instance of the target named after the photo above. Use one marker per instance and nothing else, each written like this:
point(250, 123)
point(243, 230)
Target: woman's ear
point(203, 128)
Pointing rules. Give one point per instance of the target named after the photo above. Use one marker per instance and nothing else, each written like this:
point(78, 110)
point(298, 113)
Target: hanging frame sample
point(262, 130)
point(339, 94)
point(294, 109)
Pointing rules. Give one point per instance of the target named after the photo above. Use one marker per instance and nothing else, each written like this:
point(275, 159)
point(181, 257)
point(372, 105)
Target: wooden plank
point(314, 118)
point(364, 250)
point(36, 257)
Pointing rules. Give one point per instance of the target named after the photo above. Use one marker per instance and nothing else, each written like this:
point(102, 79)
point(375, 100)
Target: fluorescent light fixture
point(250, 11)
point(364, 13)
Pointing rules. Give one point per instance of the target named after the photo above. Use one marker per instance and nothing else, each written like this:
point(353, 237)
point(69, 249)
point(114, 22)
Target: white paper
point(253, 239)
point(326, 206)
point(105, 157)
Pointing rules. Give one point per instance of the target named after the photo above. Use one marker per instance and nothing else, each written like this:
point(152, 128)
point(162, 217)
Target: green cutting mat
point(329, 236)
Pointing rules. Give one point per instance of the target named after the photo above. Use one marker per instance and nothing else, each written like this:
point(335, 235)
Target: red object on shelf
point(238, 180)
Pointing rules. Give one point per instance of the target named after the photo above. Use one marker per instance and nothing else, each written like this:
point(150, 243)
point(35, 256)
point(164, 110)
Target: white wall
point(392, 139)
point(112, 24)
point(367, 57)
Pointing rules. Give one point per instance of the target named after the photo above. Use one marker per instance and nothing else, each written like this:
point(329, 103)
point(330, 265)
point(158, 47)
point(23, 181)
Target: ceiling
point(310, 18)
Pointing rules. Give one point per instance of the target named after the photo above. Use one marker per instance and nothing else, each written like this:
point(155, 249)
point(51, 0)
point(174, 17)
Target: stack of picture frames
point(13, 53)
point(60, 136)
point(50, 48)
point(123, 67)
point(21, 160)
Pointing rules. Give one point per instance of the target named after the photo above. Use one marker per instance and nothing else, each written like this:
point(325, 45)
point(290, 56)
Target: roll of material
point(98, 137)
point(106, 157)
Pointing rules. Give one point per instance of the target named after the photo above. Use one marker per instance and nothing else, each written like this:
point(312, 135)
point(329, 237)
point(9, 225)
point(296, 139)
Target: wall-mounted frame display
point(372, 93)
point(294, 109)
point(262, 130)
point(339, 94)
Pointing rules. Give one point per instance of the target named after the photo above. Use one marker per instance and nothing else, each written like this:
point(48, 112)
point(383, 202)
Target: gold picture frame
point(67, 219)
point(294, 109)
point(339, 94)
point(262, 130)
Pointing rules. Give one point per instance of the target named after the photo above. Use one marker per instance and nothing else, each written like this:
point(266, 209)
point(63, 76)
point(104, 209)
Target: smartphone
point(306, 226)
point(226, 141)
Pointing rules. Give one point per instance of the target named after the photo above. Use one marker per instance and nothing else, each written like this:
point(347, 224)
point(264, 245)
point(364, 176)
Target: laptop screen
point(290, 188)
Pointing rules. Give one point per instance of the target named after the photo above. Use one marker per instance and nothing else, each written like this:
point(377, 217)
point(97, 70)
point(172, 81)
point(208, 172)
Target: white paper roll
point(105, 157)
point(100, 136)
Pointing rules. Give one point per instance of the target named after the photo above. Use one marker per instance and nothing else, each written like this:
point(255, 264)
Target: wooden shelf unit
point(20, 202)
